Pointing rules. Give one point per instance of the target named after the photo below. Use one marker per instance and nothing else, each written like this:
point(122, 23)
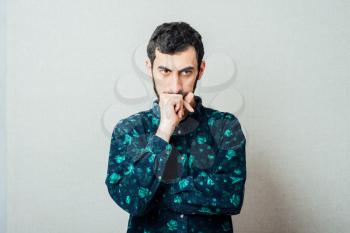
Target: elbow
point(235, 211)
point(135, 208)
point(236, 201)
point(136, 211)
point(130, 204)
point(232, 210)
point(114, 193)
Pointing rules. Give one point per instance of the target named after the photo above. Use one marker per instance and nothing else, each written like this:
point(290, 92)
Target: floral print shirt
point(193, 183)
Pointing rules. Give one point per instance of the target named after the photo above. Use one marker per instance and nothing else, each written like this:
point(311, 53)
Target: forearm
point(222, 196)
point(134, 173)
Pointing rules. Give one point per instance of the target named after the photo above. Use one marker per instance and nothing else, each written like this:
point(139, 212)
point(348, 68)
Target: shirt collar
point(192, 120)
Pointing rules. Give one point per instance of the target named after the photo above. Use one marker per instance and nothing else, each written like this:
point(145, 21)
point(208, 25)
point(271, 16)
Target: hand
point(172, 111)
point(189, 102)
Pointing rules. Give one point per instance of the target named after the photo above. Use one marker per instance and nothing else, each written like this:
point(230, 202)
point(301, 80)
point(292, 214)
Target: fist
point(173, 108)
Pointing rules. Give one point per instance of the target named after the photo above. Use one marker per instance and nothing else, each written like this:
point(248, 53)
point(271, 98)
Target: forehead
point(177, 60)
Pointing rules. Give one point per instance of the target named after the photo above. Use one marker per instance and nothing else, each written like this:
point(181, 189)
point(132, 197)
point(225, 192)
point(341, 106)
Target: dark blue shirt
point(194, 183)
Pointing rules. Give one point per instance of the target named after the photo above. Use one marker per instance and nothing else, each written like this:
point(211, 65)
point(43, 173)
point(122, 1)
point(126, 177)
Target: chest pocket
point(202, 149)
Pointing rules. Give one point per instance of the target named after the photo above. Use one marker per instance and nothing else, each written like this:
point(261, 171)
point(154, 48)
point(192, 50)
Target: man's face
point(176, 73)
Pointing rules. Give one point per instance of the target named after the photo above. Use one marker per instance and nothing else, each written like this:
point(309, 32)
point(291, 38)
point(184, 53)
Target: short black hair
point(175, 37)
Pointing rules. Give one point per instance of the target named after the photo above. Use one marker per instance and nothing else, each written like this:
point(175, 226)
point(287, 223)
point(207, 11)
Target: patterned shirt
point(193, 183)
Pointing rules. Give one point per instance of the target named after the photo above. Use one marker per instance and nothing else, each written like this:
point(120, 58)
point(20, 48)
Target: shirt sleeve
point(220, 188)
point(135, 166)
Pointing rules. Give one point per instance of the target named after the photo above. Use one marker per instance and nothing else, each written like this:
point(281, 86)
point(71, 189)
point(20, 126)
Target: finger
point(181, 107)
point(188, 106)
point(179, 101)
point(182, 111)
point(177, 107)
point(189, 97)
point(179, 114)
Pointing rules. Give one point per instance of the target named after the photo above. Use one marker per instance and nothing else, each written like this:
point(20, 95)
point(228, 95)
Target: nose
point(176, 85)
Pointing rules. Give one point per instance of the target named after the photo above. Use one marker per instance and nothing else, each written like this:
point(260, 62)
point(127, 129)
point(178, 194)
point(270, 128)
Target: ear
point(148, 67)
point(201, 69)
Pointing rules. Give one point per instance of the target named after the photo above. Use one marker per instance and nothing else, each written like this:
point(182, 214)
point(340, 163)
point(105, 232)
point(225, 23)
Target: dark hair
point(175, 37)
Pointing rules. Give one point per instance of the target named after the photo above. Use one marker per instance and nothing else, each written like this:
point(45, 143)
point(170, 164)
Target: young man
point(179, 166)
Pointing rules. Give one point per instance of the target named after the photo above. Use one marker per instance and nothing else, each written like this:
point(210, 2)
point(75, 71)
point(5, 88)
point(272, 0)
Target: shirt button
point(181, 215)
point(159, 177)
point(179, 131)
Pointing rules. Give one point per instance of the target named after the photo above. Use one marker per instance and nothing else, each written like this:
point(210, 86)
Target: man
point(179, 166)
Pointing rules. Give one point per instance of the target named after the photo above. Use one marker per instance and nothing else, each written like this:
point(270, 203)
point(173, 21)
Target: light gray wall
point(289, 66)
point(2, 119)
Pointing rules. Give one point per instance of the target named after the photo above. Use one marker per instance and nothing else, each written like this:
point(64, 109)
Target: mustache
point(178, 93)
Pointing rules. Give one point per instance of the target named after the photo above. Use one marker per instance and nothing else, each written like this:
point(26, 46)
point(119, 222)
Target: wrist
point(164, 134)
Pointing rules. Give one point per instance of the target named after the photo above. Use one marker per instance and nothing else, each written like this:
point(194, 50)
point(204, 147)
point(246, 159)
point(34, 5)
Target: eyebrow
point(183, 69)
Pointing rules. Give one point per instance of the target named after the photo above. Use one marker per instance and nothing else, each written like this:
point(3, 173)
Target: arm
point(135, 167)
point(219, 189)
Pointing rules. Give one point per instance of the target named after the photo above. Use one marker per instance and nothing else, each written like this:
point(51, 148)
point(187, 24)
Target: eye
point(186, 72)
point(164, 71)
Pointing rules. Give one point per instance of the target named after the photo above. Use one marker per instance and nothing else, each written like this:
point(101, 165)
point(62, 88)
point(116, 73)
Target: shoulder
point(132, 123)
point(216, 117)
point(225, 126)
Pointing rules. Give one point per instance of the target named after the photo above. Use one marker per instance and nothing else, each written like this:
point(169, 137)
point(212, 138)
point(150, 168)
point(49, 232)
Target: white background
point(291, 94)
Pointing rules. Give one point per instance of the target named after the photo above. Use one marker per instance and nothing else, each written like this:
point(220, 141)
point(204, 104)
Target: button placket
point(182, 223)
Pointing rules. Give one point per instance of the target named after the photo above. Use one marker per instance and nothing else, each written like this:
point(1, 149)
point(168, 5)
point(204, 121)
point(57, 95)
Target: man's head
point(175, 52)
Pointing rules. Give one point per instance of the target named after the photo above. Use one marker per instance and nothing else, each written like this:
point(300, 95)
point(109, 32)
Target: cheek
point(161, 83)
point(188, 83)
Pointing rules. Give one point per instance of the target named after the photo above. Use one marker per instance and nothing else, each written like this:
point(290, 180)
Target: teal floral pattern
point(193, 183)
